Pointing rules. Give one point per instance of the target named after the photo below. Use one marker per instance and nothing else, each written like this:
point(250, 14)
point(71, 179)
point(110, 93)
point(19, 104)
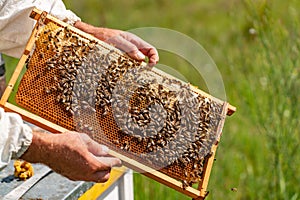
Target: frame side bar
point(209, 162)
point(23, 59)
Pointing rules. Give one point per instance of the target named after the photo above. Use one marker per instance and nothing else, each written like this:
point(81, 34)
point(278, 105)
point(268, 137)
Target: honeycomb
point(81, 85)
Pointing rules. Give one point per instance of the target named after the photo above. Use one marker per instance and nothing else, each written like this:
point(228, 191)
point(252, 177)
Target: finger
point(97, 149)
point(110, 161)
point(94, 147)
point(101, 176)
point(146, 48)
point(152, 55)
point(137, 55)
point(127, 46)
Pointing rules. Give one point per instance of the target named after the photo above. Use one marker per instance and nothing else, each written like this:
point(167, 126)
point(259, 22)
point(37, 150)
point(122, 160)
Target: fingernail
point(105, 149)
point(140, 56)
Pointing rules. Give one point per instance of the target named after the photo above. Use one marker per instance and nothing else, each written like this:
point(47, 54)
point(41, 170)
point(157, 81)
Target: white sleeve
point(15, 137)
point(16, 26)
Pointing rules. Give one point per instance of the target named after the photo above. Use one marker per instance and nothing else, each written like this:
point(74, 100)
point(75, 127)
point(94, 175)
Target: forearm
point(39, 149)
point(98, 32)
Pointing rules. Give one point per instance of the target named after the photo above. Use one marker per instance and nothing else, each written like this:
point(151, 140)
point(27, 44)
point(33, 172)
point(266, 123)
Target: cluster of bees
point(176, 125)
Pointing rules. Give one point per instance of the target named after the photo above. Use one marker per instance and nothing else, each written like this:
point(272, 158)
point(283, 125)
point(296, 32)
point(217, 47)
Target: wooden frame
point(197, 194)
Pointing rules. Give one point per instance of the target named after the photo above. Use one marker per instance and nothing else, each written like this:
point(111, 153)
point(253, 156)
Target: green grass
point(259, 149)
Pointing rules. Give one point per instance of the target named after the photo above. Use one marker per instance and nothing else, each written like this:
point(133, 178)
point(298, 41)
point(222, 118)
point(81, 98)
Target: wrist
point(40, 148)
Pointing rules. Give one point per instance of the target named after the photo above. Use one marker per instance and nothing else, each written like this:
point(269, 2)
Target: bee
point(27, 60)
point(71, 112)
point(105, 111)
point(184, 184)
point(90, 128)
point(46, 31)
point(41, 55)
point(116, 141)
point(127, 147)
point(58, 32)
point(206, 194)
point(47, 90)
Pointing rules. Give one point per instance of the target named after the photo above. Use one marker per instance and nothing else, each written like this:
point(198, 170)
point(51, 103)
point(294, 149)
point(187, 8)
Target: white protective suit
point(15, 30)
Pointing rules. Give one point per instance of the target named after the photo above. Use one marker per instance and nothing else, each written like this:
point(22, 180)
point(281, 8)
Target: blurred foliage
point(270, 95)
point(255, 44)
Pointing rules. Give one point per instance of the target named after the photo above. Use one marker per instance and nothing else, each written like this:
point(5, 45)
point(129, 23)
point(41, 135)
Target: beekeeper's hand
point(134, 46)
point(73, 155)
